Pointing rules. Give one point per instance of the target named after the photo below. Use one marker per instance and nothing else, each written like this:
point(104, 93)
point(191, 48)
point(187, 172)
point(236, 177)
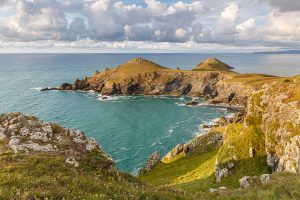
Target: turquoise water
point(128, 128)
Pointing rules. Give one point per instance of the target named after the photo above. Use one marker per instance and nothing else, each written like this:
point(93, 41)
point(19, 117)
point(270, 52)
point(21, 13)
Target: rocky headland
point(211, 79)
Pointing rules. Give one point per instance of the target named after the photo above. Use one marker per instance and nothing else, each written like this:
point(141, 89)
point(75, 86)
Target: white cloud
point(230, 13)
point(113, 21)
point(245, 29)
point(283, 26)
point(180, 33)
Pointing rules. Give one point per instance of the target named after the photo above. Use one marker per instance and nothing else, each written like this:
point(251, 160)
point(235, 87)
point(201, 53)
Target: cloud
point(283, 26)
point(234, 23)
point(246, 29)
point(285, 5)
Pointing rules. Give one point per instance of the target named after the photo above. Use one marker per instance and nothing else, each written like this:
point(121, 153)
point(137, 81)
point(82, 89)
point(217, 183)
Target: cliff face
point(280, 108)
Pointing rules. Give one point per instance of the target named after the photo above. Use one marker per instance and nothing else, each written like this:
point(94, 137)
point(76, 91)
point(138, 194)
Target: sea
point(129, 128)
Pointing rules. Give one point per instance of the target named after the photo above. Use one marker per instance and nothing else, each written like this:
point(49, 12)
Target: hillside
point(41, 160)
point(265, 140)
point(213, 64)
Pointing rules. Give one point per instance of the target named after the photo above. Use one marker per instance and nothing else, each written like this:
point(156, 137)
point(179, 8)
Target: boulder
point(264, 178)
point(187, 148)
point(71, 161)
point(249, 181)
point(153, 159)
point(223, 170)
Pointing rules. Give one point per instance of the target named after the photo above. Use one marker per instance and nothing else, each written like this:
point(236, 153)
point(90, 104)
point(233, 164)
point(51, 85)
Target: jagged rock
point(71, 161)
point(174, 152)
point(264, 178)
point(249, 181)
point(153, 159)
point(223, 170)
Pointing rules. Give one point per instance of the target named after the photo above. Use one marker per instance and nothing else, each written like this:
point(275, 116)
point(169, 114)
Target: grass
point(47, 176)
point(254, 80)
point(283, 186)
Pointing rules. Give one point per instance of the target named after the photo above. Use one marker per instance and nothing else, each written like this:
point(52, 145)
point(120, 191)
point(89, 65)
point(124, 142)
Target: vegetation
point(41, 176)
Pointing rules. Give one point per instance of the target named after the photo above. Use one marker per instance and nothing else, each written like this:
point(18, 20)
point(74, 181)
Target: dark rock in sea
point(192, 103)
point(47, 89)
point(153, 159)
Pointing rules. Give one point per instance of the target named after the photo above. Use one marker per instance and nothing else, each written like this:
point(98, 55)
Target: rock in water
point(153, 159)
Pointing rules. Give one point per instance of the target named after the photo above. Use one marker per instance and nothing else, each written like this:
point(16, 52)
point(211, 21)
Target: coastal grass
point(41, 176)
point(283, 186)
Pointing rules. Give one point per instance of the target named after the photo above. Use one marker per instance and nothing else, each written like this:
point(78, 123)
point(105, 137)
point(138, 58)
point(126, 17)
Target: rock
point(249, 181)
point(28, 134)
point(187, 148)
point(264, 178)
point(223, 170)
point(220, 189)
point(2, 134)
point(174, 152)
point(192, 103)
point(153, 159)
point(91, 145)
point(71, 161)
point(251, 152)
point(272, 161)
point(213, 190)
point(222, 121)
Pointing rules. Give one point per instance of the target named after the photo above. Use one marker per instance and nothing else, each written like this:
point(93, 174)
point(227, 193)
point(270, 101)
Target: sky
point(149, 25)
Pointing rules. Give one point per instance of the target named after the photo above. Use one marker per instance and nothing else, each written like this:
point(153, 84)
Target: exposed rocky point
point(153, 160)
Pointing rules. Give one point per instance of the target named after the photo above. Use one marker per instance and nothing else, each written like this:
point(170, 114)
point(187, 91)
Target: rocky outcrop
point(278, 105)
point(173, 153)
point(153, 160)
point(223, 170)
point(27, 134)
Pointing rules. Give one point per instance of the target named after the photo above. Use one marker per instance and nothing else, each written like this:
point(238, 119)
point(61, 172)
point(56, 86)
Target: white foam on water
point(37, 88)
